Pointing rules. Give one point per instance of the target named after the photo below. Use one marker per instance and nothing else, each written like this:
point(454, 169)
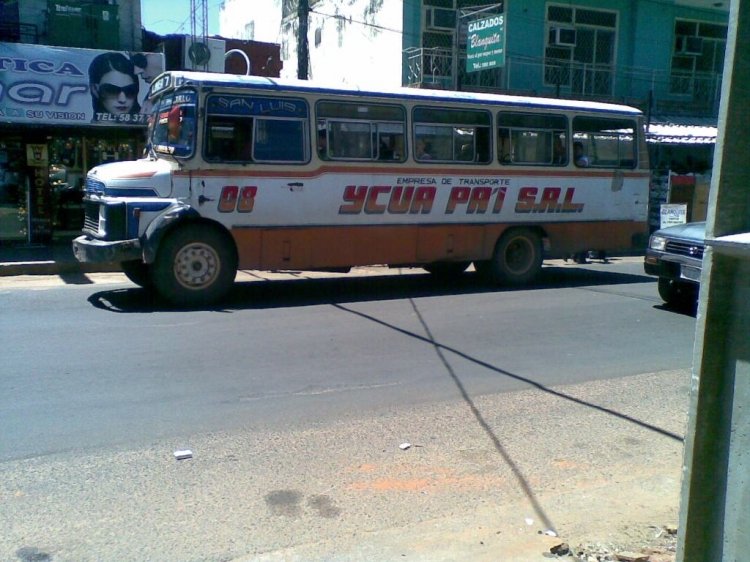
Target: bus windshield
point(172, 124)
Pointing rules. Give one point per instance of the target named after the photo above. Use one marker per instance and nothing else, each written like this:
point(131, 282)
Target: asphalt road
point(558, 407)
point(90, 365)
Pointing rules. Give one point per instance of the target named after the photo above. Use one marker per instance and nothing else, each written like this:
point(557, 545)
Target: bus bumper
point(91, 250)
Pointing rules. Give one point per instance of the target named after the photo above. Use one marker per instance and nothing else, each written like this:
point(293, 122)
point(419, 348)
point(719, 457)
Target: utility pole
point(198, 50)
point(303, 10)
point(715, 506)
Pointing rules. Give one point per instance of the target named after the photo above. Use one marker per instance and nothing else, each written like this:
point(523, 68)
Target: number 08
point(240, 198)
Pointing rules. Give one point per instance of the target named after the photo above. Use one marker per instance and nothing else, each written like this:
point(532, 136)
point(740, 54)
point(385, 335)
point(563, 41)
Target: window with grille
point(580, 49)
point(697, 57)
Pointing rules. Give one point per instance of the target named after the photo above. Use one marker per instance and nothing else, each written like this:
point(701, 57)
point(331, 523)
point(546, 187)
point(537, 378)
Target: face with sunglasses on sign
point(114, 85)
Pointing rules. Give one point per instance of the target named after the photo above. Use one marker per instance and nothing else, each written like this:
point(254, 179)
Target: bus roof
point(183, 78)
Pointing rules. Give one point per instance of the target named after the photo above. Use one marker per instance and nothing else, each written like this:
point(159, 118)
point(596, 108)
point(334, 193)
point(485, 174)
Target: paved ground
point(482, 481)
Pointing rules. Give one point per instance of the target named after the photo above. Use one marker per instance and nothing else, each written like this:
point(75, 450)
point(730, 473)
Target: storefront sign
point(485, 43)
point(672, 214)
point(40, 194)
point(37, 155)
point(66, 86)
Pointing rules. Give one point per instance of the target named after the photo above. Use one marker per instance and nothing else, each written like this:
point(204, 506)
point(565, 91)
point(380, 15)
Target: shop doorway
point(13, 191)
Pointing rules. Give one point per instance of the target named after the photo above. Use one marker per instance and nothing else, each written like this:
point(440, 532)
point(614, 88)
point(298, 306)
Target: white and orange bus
point(254, 173)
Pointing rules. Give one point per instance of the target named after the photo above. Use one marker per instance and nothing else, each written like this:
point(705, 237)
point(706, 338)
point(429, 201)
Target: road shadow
point(308, 291)
point(685, 310)
point(444, 351)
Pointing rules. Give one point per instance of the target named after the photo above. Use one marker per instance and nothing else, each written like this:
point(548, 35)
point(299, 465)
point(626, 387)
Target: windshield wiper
point(150, 150)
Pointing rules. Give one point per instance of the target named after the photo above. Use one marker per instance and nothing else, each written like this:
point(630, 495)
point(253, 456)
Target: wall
point(523, 37)
point(264, 58)
point(654, 41)
point(265, 20)
point(130, 25)
point(358, 43)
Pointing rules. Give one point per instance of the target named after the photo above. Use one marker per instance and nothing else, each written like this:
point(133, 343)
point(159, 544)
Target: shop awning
point(683, 130)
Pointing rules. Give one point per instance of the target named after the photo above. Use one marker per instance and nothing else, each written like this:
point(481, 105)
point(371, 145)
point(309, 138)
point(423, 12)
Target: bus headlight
point(657, 243)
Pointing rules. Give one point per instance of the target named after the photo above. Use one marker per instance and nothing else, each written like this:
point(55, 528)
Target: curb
point(9, 269)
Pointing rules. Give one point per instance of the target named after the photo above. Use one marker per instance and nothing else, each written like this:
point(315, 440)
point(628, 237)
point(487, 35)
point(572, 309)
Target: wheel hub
point(518, 256)
point(196, 266)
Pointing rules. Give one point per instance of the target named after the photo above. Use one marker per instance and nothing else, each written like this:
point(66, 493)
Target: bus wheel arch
point(195, 263)
point(516, 258)
point(138, 272)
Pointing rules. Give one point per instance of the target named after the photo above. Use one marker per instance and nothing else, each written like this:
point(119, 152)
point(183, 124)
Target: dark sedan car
point(675, 256)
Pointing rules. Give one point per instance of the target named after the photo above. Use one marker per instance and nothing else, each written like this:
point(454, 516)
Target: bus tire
point(517, 258)
point(195, 265)
point(446, 269)
point(138, 272)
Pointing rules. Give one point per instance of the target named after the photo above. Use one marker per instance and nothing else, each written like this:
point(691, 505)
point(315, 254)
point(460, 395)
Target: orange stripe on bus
point(279, 248)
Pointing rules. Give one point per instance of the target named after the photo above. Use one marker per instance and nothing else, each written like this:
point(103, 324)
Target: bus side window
point(483, 155)
point(504, 149)
point(361, 131)
point(351, 140)
point(280, 140)
point(219, 139)
point(390, 141)
point(609, 142)
point(451, 135)
point(321, 140)
point(559, 149)
point(535, 139)
point(244, 141)
point(229, 140)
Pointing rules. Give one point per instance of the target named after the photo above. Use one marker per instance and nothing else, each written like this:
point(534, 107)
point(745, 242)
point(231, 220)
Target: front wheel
point(195, 265)
point(677, 294)
point(517, 258)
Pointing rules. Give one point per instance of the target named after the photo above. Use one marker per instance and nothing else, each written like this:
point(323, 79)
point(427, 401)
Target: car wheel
point(677, 294)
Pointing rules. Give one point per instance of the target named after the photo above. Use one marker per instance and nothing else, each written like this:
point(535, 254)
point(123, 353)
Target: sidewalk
point(46, 259)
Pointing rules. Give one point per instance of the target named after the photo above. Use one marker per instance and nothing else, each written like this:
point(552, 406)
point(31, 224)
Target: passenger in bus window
point(423, 150)
point(385, 150)
point(579, 155)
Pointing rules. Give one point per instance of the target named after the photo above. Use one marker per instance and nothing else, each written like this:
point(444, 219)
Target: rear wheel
point(195, 265)
point(677, 294)
point(138, 272)
point(517, 258)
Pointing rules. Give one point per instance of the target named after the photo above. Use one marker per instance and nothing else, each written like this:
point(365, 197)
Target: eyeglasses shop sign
point(67, 86)
point(485, 43)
